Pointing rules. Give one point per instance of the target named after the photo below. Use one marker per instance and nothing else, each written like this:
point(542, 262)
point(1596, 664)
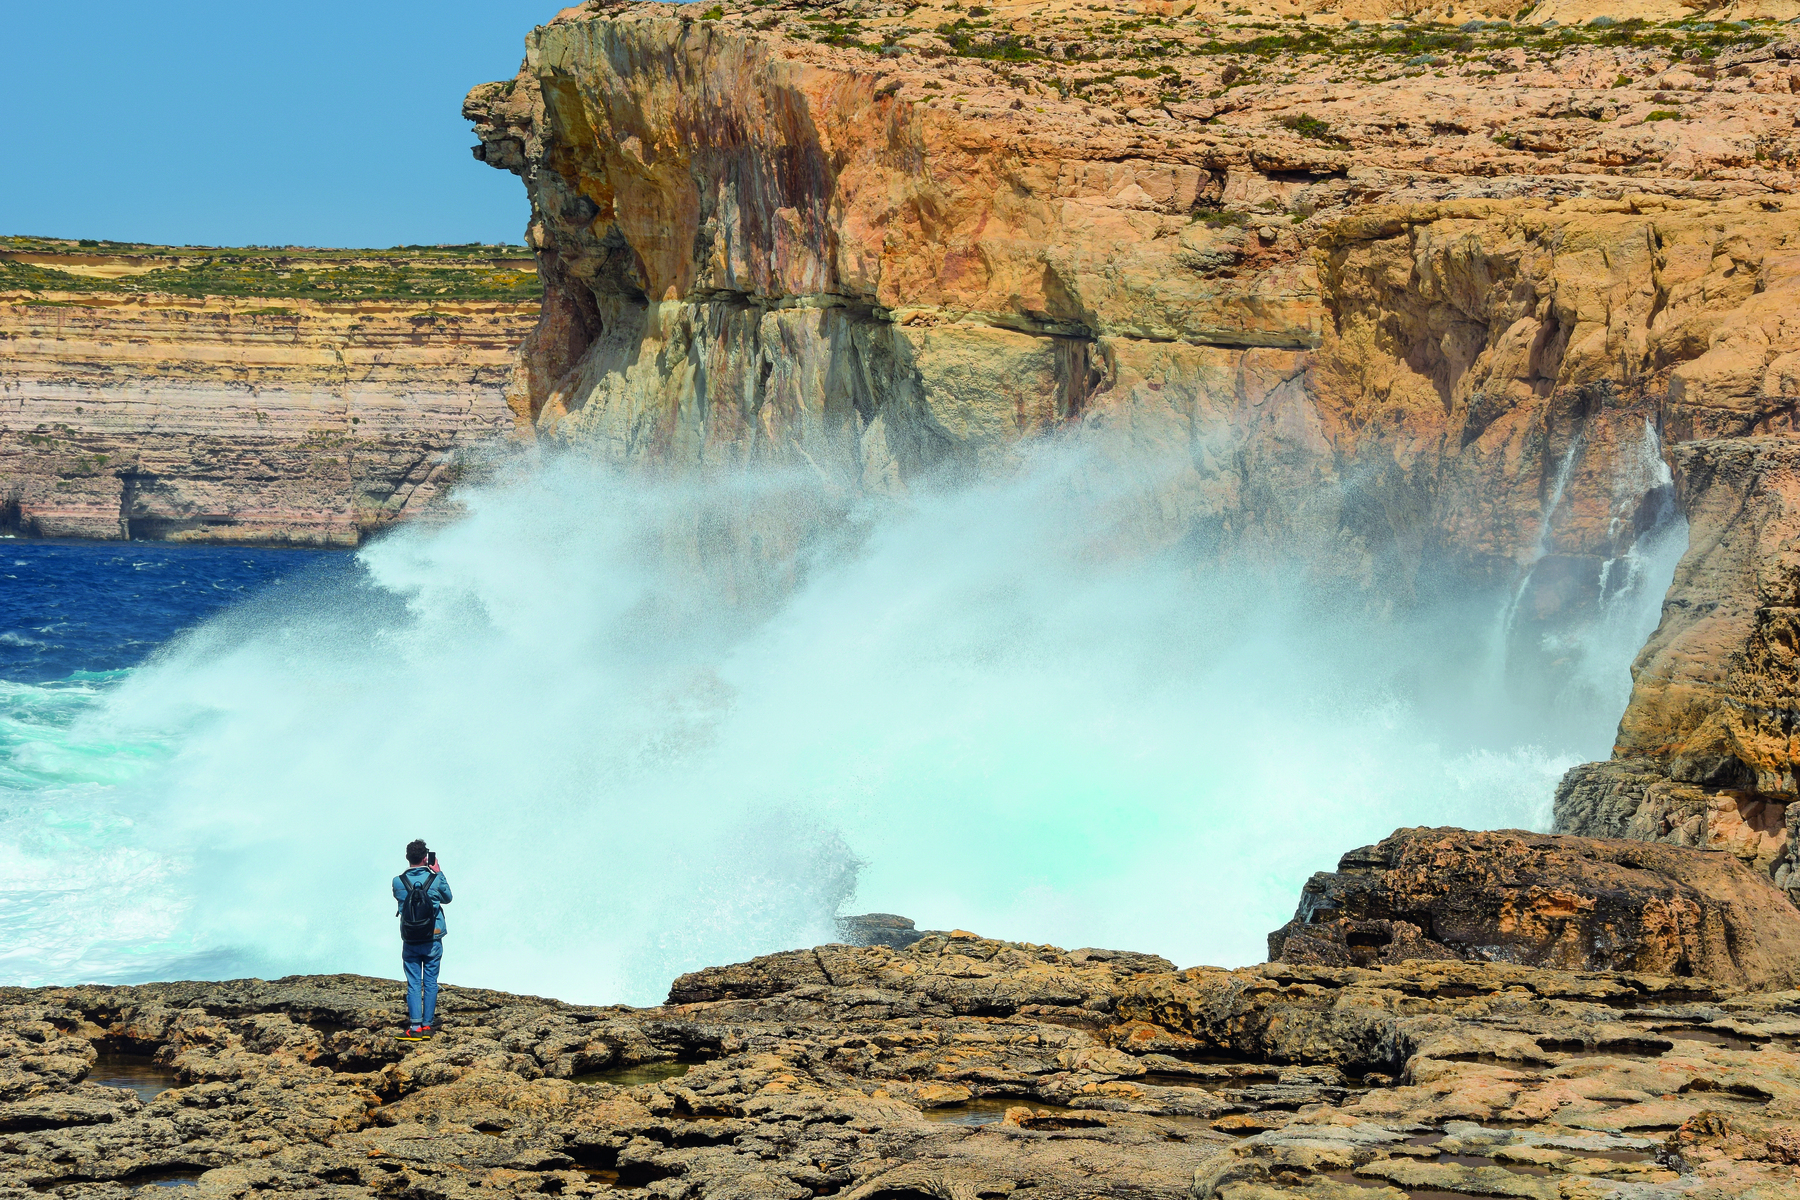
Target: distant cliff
point(1430, 305)
point(277, 397)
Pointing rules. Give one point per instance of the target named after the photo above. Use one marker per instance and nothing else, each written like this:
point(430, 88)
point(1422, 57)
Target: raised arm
point(440, 888)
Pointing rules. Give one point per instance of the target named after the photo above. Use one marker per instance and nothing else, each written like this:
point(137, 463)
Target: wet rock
point(1582, 904)
point(1707, 746)
point(879, 929)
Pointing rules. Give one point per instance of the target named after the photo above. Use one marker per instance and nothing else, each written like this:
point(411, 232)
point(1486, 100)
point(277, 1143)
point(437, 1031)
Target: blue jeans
point(421, 962)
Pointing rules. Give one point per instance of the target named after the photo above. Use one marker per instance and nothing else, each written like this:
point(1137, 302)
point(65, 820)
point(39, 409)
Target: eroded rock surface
point(1706, 750)
point(959, 1067)
point(1432, 307)
point(1542, 900)
point(1321, 291)
point(252, 416)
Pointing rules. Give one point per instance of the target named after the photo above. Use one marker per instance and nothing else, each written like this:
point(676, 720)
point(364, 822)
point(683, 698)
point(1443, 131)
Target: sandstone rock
point(1565, 902)
point(1442, 322)
point(866, 1071)
point(174, 417)
point(1706, 748)
point(1394, 331)
point(1713, 685)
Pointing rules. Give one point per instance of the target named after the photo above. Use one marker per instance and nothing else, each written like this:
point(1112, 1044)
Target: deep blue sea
point(70, 610)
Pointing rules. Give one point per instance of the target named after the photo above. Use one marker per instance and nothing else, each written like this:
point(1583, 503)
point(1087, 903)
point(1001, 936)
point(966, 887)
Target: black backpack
point(418, 916)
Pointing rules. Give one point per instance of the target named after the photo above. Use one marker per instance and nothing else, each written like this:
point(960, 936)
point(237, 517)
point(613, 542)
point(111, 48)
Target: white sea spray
point(652, 726)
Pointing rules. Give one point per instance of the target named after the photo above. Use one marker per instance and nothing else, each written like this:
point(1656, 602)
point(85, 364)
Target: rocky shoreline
point(958, 1068)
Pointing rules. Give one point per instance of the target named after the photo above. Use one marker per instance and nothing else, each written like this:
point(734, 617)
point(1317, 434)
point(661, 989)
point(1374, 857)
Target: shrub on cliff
point(1308, 126)
point(969, 42)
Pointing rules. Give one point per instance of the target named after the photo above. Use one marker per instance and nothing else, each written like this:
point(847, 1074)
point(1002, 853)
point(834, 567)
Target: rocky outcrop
point(241, 418)
point(880, 929)
point(957, 1067)
point(1566, 902)
point(1706, 750)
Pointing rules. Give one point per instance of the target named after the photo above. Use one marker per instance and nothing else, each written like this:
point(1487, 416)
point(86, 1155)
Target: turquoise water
point(653, 727)
point(85, 894)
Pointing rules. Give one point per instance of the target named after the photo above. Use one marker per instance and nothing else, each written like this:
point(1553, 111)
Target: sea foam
point(651, 726)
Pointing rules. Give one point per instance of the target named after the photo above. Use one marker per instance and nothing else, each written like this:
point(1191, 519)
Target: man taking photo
point(421, 892)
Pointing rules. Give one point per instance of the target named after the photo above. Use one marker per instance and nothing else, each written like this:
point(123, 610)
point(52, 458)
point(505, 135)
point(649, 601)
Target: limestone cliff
point(1380, 316)
point(1471, 303)
point(1706, 752)
point(199, 396)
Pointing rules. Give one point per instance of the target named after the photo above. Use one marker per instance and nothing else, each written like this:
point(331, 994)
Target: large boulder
point(1572, 903)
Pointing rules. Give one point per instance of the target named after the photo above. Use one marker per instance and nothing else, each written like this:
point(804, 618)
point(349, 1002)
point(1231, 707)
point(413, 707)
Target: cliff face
point(1379, 316)
point(250, 417)
point(1443, 305)
point(1706, 751)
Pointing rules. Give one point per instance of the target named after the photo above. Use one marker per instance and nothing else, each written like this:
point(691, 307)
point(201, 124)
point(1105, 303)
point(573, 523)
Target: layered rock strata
point(1542, 900)
point(958, 1067)
point(1368, 313)
point(261, 418)
point(1427, 306)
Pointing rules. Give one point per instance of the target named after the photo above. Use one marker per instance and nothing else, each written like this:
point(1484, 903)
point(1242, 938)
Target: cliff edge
point(1433, 300)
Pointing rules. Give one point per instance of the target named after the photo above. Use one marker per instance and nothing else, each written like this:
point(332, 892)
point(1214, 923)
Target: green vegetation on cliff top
point(1096, 36)
point(473, 272)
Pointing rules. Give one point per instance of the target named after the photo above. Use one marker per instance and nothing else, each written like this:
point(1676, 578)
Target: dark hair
point(415, 851)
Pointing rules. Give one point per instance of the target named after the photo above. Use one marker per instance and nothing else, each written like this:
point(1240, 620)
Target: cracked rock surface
point(959, 1068)
point(1543, 900)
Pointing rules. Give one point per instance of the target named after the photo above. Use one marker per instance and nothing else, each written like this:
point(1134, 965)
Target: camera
point(431, 857)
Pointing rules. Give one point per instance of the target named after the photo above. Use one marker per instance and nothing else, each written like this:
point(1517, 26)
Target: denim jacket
point(439, 891)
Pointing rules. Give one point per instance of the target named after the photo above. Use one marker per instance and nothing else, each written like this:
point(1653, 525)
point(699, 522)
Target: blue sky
point(298, 122)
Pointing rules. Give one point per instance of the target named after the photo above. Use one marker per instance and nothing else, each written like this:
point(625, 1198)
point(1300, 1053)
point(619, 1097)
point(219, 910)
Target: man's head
point(416, 852)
